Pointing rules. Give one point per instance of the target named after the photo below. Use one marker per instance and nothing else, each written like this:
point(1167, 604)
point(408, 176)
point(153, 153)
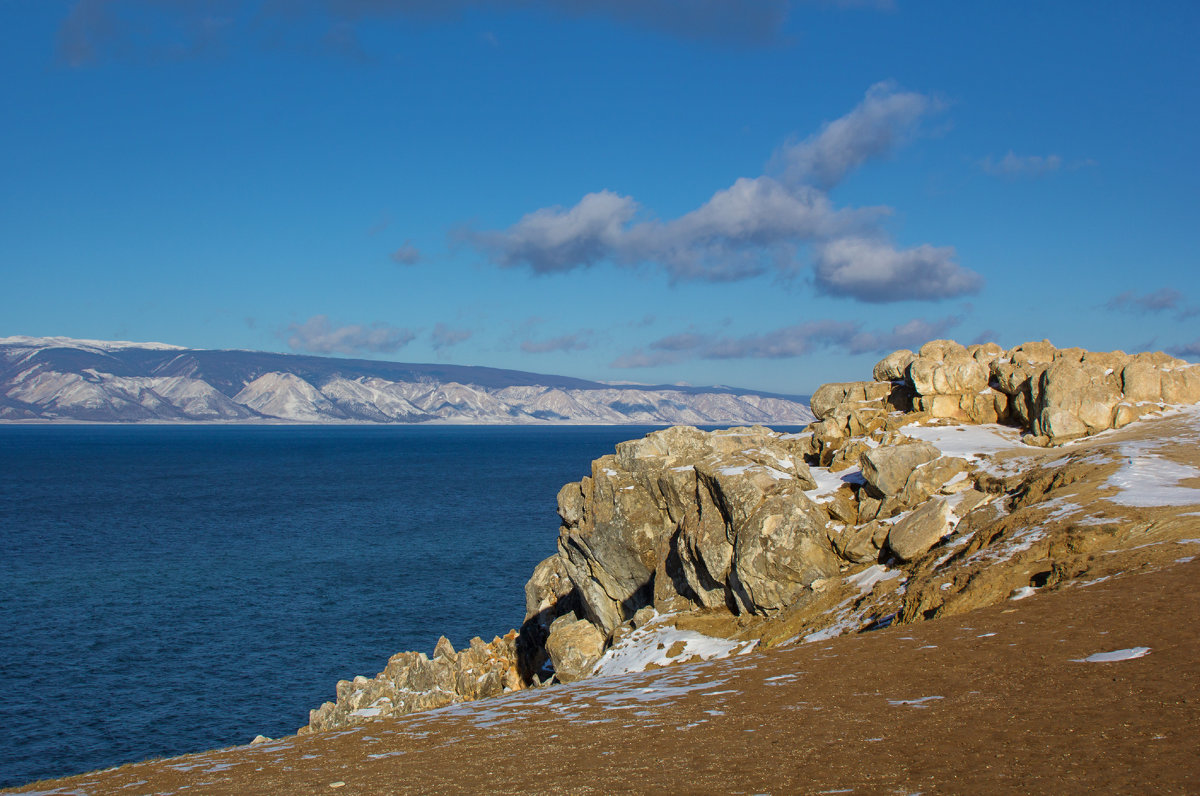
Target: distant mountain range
point(61, 379)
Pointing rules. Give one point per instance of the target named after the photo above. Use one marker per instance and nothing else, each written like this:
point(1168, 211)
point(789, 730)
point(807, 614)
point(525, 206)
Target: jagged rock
point(413, 682)
point(915, 534)
point(842, 507)
point(861, 545)
point(929, 477)
point(886, 468)
point(549, 593)
point(780, 550)
point(574, 646)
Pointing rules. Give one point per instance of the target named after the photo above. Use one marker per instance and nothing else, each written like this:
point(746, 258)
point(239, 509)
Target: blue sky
point(765, 194)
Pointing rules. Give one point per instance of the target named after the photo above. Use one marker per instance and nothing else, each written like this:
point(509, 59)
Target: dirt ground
point(999, 700)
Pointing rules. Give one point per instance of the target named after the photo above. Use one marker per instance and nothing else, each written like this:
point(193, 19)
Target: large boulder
point(886, 468)
point(1181, 385)
point(610, 544)
point(1075, 399)
point(574, 646)
point(955, 375)
point(829, 396)
point(780, 549)
point(893, 367)
point(913, 535)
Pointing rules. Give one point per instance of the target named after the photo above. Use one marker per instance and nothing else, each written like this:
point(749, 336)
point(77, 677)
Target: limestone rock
point(954, 375)
point(779, 551)
point(574, 646)
point(928, 478)
point(1141, 381)
point(1075, 399)
point(861, 545)
point(886, 468)
point(1181, 385)
point(829, 396)
point(894, 366)
point(942, 349)
point(915, 534)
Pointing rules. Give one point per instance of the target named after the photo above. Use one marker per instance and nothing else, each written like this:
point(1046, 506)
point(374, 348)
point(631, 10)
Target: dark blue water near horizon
point(169, 589)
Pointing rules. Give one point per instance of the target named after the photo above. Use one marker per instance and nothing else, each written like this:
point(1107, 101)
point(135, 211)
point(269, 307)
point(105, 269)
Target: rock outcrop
point(860, 521)
point(412, 682)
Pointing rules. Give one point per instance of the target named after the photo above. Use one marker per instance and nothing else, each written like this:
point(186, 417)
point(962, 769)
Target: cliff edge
point(958, 477)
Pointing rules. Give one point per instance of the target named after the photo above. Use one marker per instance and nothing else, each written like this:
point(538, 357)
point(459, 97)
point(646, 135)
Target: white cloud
point(318, 336)
point(884, 120)
point(874, 271)
point(758, 224)
point(553, 239)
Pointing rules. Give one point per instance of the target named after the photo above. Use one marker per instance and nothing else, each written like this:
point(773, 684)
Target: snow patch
point(1115, 656)
point(651, 643)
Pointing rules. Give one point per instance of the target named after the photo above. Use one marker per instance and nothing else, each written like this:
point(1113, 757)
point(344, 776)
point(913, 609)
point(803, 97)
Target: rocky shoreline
point(958, 477)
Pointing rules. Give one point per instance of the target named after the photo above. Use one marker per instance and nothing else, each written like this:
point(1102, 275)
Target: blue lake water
point(168, 589)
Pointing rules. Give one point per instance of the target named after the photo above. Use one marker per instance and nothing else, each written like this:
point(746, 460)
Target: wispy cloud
point(154, 29)
point(1189, 351)
point(406, 254)
point(577, 341)
point(318, 336)
point(444, 336)
point(786, 343)
point(1014, 166)
point(1165, 300)
point(144, 29)
point(758, 224)
point(884, 120)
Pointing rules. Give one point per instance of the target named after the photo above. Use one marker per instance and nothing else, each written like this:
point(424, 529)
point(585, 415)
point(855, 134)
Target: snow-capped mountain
point(58, 378)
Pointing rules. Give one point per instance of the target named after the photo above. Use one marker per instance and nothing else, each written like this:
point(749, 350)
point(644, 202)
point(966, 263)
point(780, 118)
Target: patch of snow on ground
point(1116, 655)
point(967, 442)
point(866, 580)
point(651, 643)
point(1147, 479)
point(913, 703)
point(829, 482)
point(1022, 593)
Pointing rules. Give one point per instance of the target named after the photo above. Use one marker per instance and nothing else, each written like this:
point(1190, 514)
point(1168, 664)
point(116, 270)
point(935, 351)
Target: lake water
point(168, 589)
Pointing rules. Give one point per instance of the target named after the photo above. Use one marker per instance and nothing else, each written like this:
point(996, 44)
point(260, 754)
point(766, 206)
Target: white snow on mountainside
point(66, 380)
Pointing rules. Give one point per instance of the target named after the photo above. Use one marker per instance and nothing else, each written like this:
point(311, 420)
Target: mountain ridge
point(63, 379)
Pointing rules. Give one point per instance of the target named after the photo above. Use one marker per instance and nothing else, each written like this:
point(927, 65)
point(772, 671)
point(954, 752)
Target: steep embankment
point(905, 501)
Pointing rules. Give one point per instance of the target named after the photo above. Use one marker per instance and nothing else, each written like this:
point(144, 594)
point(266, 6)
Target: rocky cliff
point(957, 478)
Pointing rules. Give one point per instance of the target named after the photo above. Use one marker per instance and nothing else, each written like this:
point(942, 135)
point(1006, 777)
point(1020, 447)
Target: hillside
point(61, 379)
point(974, 573)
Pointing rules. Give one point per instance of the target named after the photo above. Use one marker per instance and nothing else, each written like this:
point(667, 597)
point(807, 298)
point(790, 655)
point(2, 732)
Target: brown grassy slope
point(1017, 713)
